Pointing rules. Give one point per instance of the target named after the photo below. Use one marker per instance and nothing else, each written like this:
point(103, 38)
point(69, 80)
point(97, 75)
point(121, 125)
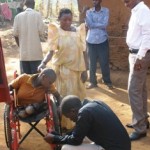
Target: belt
point(135, 51)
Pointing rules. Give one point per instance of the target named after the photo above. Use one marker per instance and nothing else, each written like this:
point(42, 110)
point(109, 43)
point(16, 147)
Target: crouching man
point(96, 121)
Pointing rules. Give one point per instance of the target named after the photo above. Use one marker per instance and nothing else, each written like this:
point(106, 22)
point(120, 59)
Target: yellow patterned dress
point(68, 62)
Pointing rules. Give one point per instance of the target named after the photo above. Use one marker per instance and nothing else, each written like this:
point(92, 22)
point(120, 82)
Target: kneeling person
point(94, 120)
point(31, 89)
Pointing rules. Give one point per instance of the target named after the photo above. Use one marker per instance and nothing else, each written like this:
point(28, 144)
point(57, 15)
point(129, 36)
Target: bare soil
point(117, 99)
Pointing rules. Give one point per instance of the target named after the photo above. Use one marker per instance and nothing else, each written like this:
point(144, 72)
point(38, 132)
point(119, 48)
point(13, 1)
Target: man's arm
point(84, 75)
point(80, 131)
point(145, 29)
point(100, 25)
point(86, 60)
point(145, 44)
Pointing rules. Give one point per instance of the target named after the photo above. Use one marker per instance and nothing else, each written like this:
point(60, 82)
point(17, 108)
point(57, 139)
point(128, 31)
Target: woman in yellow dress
point(68, 57)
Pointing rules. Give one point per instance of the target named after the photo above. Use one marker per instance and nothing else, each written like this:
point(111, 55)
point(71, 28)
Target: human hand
point(41, 66)
point(84, 76)
point(49, 138)
point(138, 65)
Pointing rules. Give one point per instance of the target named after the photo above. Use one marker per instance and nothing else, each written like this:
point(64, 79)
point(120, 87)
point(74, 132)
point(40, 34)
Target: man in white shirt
point(28, 27)
point(138, 40)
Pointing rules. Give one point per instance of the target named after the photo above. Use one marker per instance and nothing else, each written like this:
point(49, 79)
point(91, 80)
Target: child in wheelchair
point(30, 91)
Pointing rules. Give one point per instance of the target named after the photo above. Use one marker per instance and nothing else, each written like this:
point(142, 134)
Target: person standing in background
point(28, 27)
point(97, 42)
point(138, 41)
point(20, 6)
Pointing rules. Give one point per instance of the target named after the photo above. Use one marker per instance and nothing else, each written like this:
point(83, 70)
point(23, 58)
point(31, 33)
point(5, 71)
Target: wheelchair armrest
point(11, 93)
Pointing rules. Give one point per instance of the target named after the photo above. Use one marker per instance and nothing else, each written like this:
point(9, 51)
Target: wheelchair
point(12, 123)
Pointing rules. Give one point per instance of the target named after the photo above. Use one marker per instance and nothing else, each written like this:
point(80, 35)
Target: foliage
point(50, 8)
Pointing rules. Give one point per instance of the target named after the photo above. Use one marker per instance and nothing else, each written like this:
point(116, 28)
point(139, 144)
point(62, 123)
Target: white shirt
point(28, 27)
point(138, 35)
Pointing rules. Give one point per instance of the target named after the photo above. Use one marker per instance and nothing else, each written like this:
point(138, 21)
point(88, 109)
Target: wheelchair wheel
point(56, 118)
point(7, 127)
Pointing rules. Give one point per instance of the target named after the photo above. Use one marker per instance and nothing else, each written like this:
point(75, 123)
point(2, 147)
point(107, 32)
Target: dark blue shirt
point(99, 123)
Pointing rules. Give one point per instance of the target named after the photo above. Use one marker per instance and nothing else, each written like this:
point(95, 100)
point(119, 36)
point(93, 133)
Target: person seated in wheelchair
point(31, 89)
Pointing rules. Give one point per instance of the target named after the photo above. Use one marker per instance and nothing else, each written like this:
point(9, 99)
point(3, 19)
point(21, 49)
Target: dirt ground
point(117, 99)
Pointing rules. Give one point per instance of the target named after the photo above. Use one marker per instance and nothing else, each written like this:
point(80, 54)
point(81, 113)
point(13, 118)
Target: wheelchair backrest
point(4, 90)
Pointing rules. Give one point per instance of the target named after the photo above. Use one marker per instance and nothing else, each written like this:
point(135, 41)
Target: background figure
point(138, 40)
point(28, 27)
point(97, 41)
point(20, 6)
point(67, 51)
point(1, 17)
point(94, 120)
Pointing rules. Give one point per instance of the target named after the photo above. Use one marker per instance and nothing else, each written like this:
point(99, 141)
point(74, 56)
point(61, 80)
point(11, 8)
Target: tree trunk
point(48, 8)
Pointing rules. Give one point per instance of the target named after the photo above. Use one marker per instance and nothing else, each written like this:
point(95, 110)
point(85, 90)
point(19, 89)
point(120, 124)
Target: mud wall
point(119, 17)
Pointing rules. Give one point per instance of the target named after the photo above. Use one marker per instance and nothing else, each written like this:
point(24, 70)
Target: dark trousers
point(100, 53)
point(29, 67)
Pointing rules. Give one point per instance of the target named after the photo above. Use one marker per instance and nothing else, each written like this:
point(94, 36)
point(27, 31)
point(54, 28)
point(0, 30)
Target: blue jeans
point(100, 53)
point(29, 67)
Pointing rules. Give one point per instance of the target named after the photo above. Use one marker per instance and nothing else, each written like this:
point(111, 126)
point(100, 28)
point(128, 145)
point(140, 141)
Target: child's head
point(65, 18)
point(47, 77)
